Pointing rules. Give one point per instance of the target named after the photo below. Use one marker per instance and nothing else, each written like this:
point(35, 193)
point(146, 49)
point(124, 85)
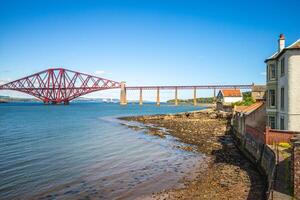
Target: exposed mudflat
point(229, 175)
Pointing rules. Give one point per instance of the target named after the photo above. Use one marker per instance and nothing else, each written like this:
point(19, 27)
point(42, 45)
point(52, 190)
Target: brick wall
point(295, 167)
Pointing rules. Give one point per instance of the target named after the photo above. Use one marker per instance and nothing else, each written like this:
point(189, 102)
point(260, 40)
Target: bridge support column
point(176, 96)
point(214, 94)
point(195, 97)
point(158, 98)
point(141, 97)
point(123, 98)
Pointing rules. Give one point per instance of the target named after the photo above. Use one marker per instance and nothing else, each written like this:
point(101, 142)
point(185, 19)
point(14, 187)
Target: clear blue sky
point(145, 42)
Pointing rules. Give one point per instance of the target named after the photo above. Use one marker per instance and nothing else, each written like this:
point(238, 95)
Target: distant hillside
point(191, 101)
point(80, 99)
point(5, 99)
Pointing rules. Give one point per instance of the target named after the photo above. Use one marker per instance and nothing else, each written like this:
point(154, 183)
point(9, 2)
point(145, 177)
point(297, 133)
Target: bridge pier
point(141, 97)
point(158, 97)
point(123, 98)
point(214, 94)
point(176, 96)
point(195, 97)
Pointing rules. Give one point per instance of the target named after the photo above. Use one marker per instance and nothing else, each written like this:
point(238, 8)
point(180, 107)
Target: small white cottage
point(228, 96)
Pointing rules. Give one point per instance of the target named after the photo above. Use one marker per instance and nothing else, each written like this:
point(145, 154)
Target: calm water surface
point(82, 151)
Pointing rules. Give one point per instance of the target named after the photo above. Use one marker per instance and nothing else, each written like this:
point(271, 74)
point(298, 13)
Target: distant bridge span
point(189, 87)
point(59, 85)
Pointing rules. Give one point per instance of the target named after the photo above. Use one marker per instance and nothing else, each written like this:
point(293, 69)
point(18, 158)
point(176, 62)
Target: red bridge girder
point(58, 85)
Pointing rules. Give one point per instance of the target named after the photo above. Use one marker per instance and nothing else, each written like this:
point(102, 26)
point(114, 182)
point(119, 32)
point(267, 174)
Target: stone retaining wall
point(295, 166)
point(260, 154)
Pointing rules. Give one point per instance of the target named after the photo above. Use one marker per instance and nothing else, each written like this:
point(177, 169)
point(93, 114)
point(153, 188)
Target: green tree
point(247, 100)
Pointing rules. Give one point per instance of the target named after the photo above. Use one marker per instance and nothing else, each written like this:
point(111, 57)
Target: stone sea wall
point(260, 154)
point(295, 166)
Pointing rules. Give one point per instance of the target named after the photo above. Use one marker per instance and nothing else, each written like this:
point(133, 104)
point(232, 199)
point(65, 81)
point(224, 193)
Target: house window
point(282, 69)
point(281, 123)
point(272, 72)
point(272, 122)
point(282, 98)
point(272, 100)
point(268, 72)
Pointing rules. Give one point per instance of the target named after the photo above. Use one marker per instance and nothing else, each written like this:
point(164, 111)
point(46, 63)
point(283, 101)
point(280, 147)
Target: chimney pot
point(281, 36)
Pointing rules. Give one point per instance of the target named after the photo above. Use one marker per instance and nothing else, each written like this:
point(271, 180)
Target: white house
point(283, 87)
point(228, 96)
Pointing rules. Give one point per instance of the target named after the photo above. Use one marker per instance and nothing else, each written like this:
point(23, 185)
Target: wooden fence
point(270, 136)
point(277, 136)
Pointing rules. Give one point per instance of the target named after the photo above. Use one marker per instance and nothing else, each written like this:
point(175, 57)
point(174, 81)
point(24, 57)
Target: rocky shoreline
point(229, 175)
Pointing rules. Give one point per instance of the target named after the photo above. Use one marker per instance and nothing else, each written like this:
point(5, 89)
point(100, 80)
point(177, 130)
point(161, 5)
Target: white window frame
point(270, 100)
point(282, 126)
point(282, 67)
point(272, 68)
point(282, 91)
point(270, 124)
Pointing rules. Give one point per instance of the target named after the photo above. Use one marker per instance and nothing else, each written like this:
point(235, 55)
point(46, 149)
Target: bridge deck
point(189, 87)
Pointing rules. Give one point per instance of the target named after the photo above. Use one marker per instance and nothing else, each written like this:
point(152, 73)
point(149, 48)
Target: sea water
point(81, 151)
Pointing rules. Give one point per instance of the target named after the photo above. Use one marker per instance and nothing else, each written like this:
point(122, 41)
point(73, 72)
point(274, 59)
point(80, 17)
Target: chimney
point(281, 42)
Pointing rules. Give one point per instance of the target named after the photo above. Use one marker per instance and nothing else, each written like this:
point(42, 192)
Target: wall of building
point(271, 84)
point(258, 92)
point(258, 95)
point(232, 99)
point(282, 83)
point(293, 96)
point(238, 125)
point(258, 118)
point(291, 84)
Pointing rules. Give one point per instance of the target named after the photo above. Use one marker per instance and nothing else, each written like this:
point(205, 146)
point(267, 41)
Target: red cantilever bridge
point(58, 85)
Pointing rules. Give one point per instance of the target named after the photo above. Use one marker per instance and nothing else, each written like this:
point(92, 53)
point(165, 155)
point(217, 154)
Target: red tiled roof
point(249, 109)
point(240, 108)
point(231, 93)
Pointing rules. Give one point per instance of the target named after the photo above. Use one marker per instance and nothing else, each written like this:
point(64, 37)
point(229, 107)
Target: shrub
point(284, 145)
point(247, 101)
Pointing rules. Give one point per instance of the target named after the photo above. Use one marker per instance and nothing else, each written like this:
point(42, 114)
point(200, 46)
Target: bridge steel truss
point(58, 85)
